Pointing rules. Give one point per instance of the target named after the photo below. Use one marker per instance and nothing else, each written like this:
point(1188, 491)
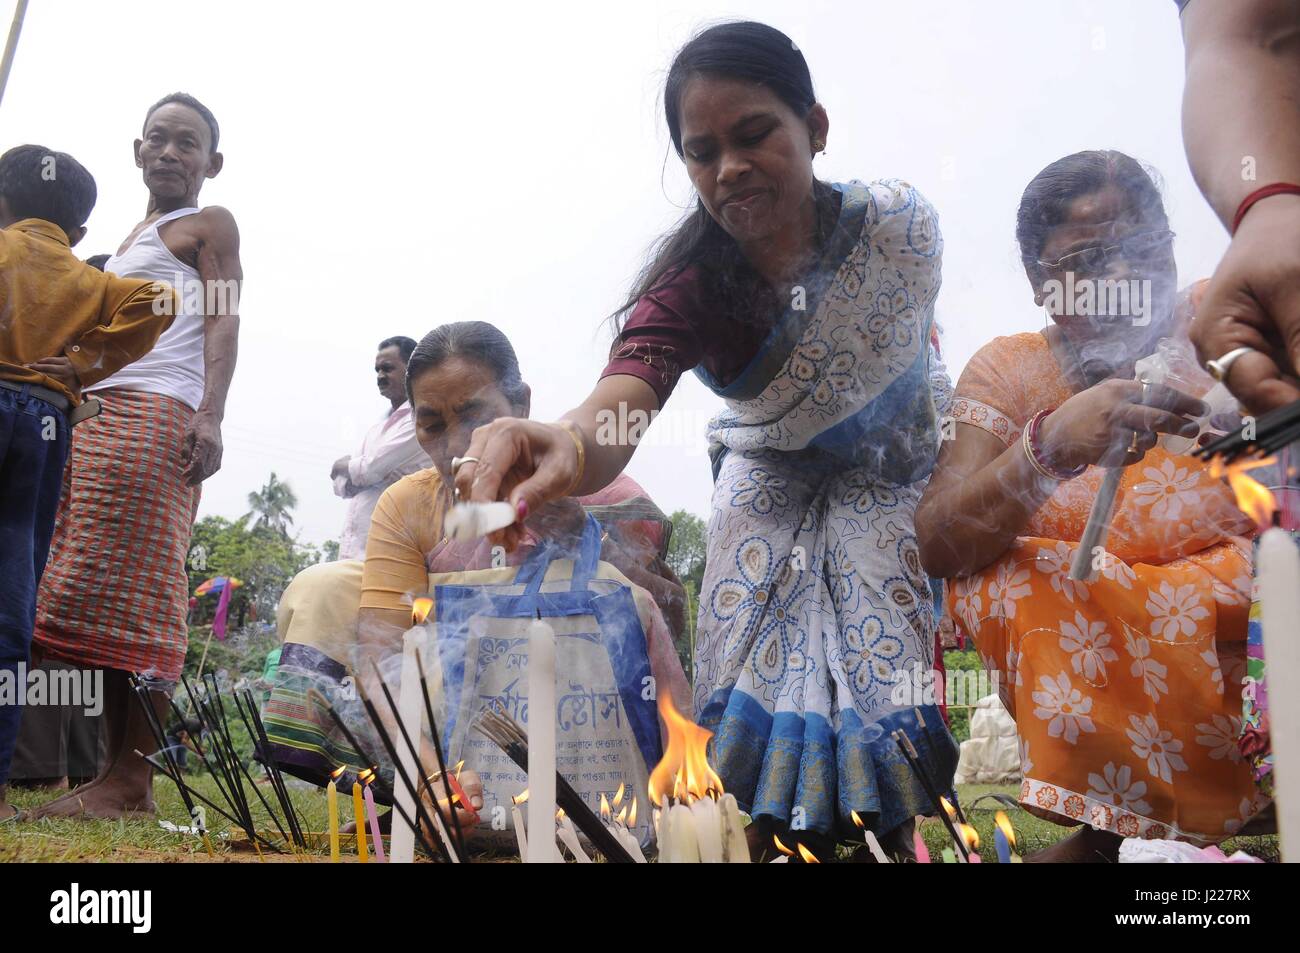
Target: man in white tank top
point(115, 594)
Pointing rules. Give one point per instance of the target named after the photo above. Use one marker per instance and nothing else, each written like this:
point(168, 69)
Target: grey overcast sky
point(394, 166)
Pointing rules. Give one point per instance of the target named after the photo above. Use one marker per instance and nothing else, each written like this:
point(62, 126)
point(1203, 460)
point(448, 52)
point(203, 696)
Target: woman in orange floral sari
point(1126, 688)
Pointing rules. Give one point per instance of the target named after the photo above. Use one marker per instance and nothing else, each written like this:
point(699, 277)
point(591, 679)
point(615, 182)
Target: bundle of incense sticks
point(211, 710)
point(441, 821)
point(222, 761)
point(506, 733)
point(1274, 430)
point(914, 762)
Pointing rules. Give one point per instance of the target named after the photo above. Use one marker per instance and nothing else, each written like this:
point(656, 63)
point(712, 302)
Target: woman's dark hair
point(1047, 199)
point(471, 341)
point(750, 52)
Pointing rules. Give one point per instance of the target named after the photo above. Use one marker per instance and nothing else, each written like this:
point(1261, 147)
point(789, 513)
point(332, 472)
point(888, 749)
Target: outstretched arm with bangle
point(1241, 128)
point(529, 463)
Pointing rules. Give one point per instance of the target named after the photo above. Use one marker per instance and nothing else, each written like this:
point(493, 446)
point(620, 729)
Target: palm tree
point(272, 505)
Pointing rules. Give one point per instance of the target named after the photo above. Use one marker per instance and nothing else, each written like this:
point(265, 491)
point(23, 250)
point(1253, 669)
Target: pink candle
point(373, 817)
point(918, 844)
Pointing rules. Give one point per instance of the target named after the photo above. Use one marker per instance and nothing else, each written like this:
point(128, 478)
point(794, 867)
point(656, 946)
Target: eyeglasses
point(1141, 247)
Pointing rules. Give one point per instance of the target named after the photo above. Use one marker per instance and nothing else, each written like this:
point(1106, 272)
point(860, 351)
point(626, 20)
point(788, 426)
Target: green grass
point(143, 840)
point(1034, 834)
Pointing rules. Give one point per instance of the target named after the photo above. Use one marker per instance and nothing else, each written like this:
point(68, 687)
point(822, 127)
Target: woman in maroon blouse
point(808, 307)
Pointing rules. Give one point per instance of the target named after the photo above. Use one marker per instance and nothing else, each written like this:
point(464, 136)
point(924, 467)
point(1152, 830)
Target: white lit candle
point(569, 837)
point(517, 818)
point(541, 744)
point(1278, 578)
point(708, 830)
point(733, 830)
point(680, 843)
point(410, 708)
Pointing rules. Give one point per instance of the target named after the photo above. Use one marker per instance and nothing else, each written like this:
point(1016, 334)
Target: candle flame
point(781, 847)
point(1253, 498)
point(456, 770)
point(420, 609)
point(948, 808)
point(631, 818)
point(684, 770)
point(1004, 824)
point(338, 772)
point(808, 856)
point(969, 836)
point(604, 809)
point(857, 820)
point(622, 816)
point(365, 776)
point(618, 795)
point(521, 797)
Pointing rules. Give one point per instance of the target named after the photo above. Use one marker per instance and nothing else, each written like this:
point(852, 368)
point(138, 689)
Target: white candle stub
point(475, 520)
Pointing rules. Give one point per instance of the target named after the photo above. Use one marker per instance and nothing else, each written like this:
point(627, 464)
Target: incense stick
point(440, 829)
point(233, 756)
point(262, 743)
point(437, 750)
point(160, 736)
point(415, 755)
point(152, 759)
point(904, 743)
point(171, 768)
point(1272, 431)
point(429, 848)
point(281, 794)
point(219, 772)
point(1098, 525)
point(510, 738)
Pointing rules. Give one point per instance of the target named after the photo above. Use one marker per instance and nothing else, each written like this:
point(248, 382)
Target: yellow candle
point(359, 812)
point(331, 796)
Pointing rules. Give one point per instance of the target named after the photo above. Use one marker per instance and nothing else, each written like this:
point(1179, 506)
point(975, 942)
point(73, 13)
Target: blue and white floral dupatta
point(814, 602)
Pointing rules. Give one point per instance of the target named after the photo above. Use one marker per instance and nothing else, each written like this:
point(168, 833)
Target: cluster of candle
point(1004, 837)
point(622, 824)
point(707, 829)
point(364, 815)
point(619, 825)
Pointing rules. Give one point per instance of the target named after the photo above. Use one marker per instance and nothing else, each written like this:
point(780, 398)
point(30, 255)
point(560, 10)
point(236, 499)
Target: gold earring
point(818, 145)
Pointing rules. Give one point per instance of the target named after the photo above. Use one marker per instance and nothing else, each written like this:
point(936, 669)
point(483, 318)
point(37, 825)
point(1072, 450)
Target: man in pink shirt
point(388, 452)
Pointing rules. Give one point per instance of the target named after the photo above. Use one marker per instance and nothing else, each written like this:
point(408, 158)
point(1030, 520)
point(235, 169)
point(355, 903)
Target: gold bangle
point(1033, 460)
point(569, 427)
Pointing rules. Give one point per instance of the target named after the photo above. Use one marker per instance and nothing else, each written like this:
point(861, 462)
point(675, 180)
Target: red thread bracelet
point(1277, 188)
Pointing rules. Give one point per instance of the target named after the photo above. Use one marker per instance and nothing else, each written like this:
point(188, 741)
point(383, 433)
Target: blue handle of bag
point(532, 571)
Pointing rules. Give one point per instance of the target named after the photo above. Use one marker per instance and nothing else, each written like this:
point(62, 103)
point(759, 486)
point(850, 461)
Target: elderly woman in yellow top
point(1126, 688)
point(336, 618)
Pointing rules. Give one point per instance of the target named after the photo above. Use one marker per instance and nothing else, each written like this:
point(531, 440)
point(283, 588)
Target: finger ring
point(458, 462)
point(1219, 368)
